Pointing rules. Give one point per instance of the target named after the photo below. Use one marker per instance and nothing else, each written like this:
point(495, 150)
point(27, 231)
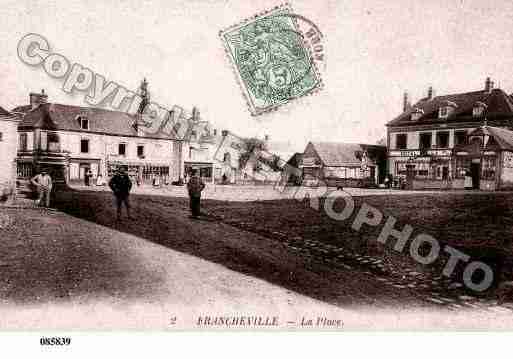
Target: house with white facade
point(70, 140)
point(8, 149)
point(440, 140)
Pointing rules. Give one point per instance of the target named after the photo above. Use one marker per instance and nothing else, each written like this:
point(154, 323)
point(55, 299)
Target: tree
point(251, 148)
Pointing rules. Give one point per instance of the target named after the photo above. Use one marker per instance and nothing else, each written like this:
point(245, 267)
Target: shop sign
point(439, 153)
point(405, 153)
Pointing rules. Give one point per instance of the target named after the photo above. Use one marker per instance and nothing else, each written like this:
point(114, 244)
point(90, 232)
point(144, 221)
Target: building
point(343, 164)
point(427, 141)
point(294, 163)
point(69, 140)
point(487, 156)
point(199, 148)
point(8, 148)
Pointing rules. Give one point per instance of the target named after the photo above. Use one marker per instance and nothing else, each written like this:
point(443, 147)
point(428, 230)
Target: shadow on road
point(164, 220)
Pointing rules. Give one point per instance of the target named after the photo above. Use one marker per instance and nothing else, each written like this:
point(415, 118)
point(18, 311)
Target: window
point(84, 123)
point(140, 151)
point(53, 142)
point(425, 140)
point(43, 145)
point(462, 167)
point(401, 141)
point(416, 114)
point(488, 168)
point(84, 146)
point(443, 112)
point(442, 139)
point(460, 138)
point(477, 111)
point(23, 141)
point(1, 136)
point(122, 149)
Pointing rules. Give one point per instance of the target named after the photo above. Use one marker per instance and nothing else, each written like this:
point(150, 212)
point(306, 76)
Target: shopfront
point(206, 170)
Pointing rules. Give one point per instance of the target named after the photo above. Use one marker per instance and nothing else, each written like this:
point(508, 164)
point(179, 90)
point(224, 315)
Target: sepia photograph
point(256, 166)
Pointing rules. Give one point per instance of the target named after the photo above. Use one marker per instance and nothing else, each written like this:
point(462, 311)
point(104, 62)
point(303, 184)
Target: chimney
point(488, 85)
point(430, 93)
point(406, 102)
point(195, 114)
point(224, 133)
point(37, 99)
point(266, 138)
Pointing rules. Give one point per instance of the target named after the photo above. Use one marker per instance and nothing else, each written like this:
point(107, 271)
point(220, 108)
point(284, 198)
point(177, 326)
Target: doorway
point(475, 172)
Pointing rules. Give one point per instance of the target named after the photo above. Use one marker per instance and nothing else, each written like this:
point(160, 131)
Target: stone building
point(8, 148)
point(425, 141)
point(69, 140)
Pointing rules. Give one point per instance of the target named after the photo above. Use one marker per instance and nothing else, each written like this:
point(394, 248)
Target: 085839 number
point(55, 341)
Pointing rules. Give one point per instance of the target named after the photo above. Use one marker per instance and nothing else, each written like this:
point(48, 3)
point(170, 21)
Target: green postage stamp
point(272, 63)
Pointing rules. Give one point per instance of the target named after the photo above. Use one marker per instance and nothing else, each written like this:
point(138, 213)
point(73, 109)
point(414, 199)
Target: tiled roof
point(340, 154)
point(65, 117)
point(499, 106)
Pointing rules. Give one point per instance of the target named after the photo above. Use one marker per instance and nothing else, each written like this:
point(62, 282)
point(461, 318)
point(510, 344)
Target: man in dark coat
point(121, 185)
point(195, 186)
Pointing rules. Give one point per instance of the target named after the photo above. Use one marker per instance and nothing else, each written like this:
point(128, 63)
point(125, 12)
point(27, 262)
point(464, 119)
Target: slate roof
point(64, 117)
point(499, 106)
point(334, 154)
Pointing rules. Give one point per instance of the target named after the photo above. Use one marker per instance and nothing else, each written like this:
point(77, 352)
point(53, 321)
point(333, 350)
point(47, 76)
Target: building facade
point(343, 164)
point(8, 151)
point(425, 140)
point(68, 141)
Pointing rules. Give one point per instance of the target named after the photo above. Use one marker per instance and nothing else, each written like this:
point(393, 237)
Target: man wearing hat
point(195, 186)
point(43, 183)
point(120, 184)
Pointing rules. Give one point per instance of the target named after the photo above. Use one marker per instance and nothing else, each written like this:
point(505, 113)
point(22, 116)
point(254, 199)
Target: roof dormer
point(479, 109)
point(446, 109)
point(417, 113)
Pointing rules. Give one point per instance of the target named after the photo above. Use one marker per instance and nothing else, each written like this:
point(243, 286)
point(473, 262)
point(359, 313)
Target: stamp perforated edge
point(247, 97)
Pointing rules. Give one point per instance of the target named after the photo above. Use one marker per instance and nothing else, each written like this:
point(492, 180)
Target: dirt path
point(91, 272)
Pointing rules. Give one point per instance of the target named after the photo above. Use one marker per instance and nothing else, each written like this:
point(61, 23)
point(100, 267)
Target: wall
point(413, 141)
point(506, 178)
point(103, 148)
point(8, 153)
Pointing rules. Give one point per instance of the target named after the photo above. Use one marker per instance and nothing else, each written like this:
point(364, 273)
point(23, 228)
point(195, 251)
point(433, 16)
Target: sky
point(374, 51)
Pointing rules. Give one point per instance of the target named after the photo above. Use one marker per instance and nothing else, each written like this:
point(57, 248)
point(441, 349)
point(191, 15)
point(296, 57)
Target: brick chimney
point(406, 102)
point(37, 99)
point(430, 93)
point(488, 85)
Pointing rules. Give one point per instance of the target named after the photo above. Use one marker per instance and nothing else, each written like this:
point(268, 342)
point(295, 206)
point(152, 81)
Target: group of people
point(121, 185)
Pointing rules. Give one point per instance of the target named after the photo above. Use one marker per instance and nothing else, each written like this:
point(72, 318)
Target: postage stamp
point(271, 59)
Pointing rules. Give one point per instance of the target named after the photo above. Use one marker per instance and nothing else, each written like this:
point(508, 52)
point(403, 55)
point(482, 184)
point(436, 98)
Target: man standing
point(195, 186)
point(121, 185)
point(43, 183)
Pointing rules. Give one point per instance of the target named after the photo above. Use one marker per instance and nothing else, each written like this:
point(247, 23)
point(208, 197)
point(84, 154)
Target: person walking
point(87, 177)
point(43, 183)
point(195, 186)
point(120, 184)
